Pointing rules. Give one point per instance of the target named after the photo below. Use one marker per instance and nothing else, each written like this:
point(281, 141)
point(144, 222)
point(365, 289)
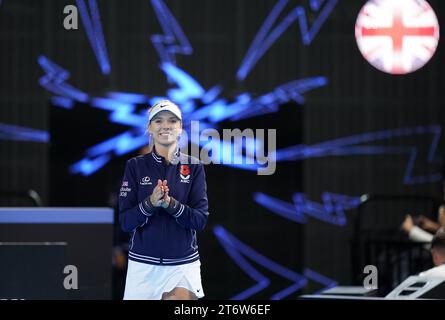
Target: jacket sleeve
point(132, 213)
point(194, 214)
point(417, 234)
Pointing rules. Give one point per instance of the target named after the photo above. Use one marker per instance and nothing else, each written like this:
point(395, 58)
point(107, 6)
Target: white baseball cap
point(164, 105)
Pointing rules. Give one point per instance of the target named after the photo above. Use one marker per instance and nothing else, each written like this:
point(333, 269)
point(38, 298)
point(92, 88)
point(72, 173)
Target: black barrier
point(55, 253)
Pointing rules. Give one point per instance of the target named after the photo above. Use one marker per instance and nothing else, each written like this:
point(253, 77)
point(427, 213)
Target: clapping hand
point(166, 199)
point(160, 197)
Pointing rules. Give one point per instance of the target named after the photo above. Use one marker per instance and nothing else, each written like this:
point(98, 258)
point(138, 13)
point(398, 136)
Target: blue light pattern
point(331, 210)
point(266, 36)
point(19, 133)
point(93, 28)
point(238, 250)
point(54, 81)
point(173, 41)
point(353, 145)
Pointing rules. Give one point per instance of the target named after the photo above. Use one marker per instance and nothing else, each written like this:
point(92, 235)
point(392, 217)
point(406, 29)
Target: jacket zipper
point(163, 224)
point(162, 243)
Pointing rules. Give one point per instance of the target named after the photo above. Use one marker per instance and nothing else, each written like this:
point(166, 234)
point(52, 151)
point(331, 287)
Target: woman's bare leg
point(179, 294)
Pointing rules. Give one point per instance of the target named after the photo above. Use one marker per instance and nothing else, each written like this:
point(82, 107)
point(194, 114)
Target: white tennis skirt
point(149, 282)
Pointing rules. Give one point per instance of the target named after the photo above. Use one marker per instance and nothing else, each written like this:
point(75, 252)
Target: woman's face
point(165, 128)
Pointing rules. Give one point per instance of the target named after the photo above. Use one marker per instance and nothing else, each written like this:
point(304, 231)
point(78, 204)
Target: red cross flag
point(397, 36)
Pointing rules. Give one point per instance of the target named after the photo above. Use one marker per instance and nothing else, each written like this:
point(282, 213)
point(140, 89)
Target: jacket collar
point(160, 159)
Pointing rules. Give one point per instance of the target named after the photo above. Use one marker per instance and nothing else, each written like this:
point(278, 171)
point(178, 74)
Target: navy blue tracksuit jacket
point(163, 236)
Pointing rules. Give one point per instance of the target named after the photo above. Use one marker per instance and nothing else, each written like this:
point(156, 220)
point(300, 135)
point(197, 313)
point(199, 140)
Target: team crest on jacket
point(184, 173)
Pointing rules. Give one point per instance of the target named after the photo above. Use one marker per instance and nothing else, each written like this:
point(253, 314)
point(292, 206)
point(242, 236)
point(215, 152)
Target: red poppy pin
point(185, 170)
point(185, 173)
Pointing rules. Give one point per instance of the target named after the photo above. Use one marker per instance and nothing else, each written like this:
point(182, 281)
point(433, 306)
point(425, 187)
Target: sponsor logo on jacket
point(124, 189)
point(145, 181)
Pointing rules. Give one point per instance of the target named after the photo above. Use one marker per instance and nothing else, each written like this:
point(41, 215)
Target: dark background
point(358, 99)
